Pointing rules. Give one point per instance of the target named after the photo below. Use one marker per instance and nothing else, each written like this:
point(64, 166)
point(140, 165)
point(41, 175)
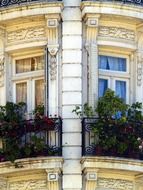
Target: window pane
point(112, 63)
point(29, 64)
point(121, 89)
point(103, 85)
point(39, 92)
point(21, 92)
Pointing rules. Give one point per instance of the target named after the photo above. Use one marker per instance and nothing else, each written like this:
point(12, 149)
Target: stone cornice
point(31, 164)
point(112, 164)
point(32, 9)
point(112, 8)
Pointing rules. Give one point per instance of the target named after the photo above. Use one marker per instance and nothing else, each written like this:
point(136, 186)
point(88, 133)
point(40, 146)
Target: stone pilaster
point(52, 32)
point(71, 93)
point(92, 49)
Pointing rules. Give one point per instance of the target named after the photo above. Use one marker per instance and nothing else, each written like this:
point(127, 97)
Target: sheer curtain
point(21, 92)
point(103, 85)
point(39, 92)
point(121, 89)
point(112, 63)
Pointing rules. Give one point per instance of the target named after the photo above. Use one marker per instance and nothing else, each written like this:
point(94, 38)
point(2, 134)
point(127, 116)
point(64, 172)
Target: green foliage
point(110, 104)
point(39, 110)
point(135, 112)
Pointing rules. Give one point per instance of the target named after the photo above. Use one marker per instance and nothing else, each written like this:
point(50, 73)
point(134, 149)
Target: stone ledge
point(31, 164)
point(109, 163)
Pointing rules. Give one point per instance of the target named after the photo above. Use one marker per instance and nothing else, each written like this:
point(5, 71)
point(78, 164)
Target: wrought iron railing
point(5, 3)
point(112, 138)
point(31, 138)
point(137, 2)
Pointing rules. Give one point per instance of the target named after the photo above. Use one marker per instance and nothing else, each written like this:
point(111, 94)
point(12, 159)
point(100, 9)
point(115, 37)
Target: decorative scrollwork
point(90, 150)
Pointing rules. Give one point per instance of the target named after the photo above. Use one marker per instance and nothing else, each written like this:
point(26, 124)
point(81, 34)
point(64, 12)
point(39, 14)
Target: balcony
point(5, 3)
point(31, 138)
point(108, 138)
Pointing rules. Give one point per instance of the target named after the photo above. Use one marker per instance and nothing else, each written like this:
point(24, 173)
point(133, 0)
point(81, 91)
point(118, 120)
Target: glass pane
point(39, 92)
point(112, 63)
point(29, 64)
point(21, 92)
point(121, 89)
point(103, 85)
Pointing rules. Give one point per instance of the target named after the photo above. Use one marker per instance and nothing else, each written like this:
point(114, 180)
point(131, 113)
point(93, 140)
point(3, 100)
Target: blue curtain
point(112, 63)
point(121, 89)
point(103, 85)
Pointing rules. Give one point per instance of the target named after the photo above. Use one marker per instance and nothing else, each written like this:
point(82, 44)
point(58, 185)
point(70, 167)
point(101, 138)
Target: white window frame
point(29, 77)
point(112, 76)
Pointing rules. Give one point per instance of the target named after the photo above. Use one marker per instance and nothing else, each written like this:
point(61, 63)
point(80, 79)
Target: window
point(114, 74)
point(28, 77)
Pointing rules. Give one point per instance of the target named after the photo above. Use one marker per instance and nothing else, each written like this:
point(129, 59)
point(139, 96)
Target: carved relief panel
point(117, 32)
point(28, 185)
point(25, 34)
point(115, 184)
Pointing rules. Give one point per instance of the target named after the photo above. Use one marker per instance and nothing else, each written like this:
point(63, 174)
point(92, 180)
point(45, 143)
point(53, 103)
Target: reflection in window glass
point(103, 85)
point(112, 63)
point(39, 92)
point(29, 64)
point(21, 92)
point(121, 89)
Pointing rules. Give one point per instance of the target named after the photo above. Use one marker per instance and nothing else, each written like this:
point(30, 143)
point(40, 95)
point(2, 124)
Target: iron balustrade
point(5, 3)
point(137, 2)
point(31, 138)
point(101, 138)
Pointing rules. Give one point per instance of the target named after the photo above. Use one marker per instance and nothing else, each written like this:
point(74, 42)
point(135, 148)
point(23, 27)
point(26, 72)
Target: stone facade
point(71, 34)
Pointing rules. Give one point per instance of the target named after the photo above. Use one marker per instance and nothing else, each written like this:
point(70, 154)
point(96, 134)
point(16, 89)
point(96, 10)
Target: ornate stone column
point(52, 65)
point(92, 49)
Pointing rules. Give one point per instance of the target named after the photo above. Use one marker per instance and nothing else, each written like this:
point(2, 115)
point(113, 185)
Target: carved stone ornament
point(25, 34)
point(115, 32)
point(28, 185)
point(53, 67)
point(1, 70)
point(139, 69)
point(117, 184)
point(53, 49)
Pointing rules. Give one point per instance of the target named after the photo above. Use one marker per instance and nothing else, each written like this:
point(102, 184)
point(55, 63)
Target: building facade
point(58, 53)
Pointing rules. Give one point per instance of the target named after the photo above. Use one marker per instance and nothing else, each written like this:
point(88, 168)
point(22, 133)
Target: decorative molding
point(53, 67)
point(28, 185)
point(2, 61)
point(116, 32)
point(117, 184)
point(139, 68)
point(25, 34)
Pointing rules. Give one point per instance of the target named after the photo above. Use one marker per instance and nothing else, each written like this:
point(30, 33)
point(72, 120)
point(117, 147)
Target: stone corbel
point(3, 183)
point(92, 23)
point(53, 180)
point(139, 182)
point(90, 179)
